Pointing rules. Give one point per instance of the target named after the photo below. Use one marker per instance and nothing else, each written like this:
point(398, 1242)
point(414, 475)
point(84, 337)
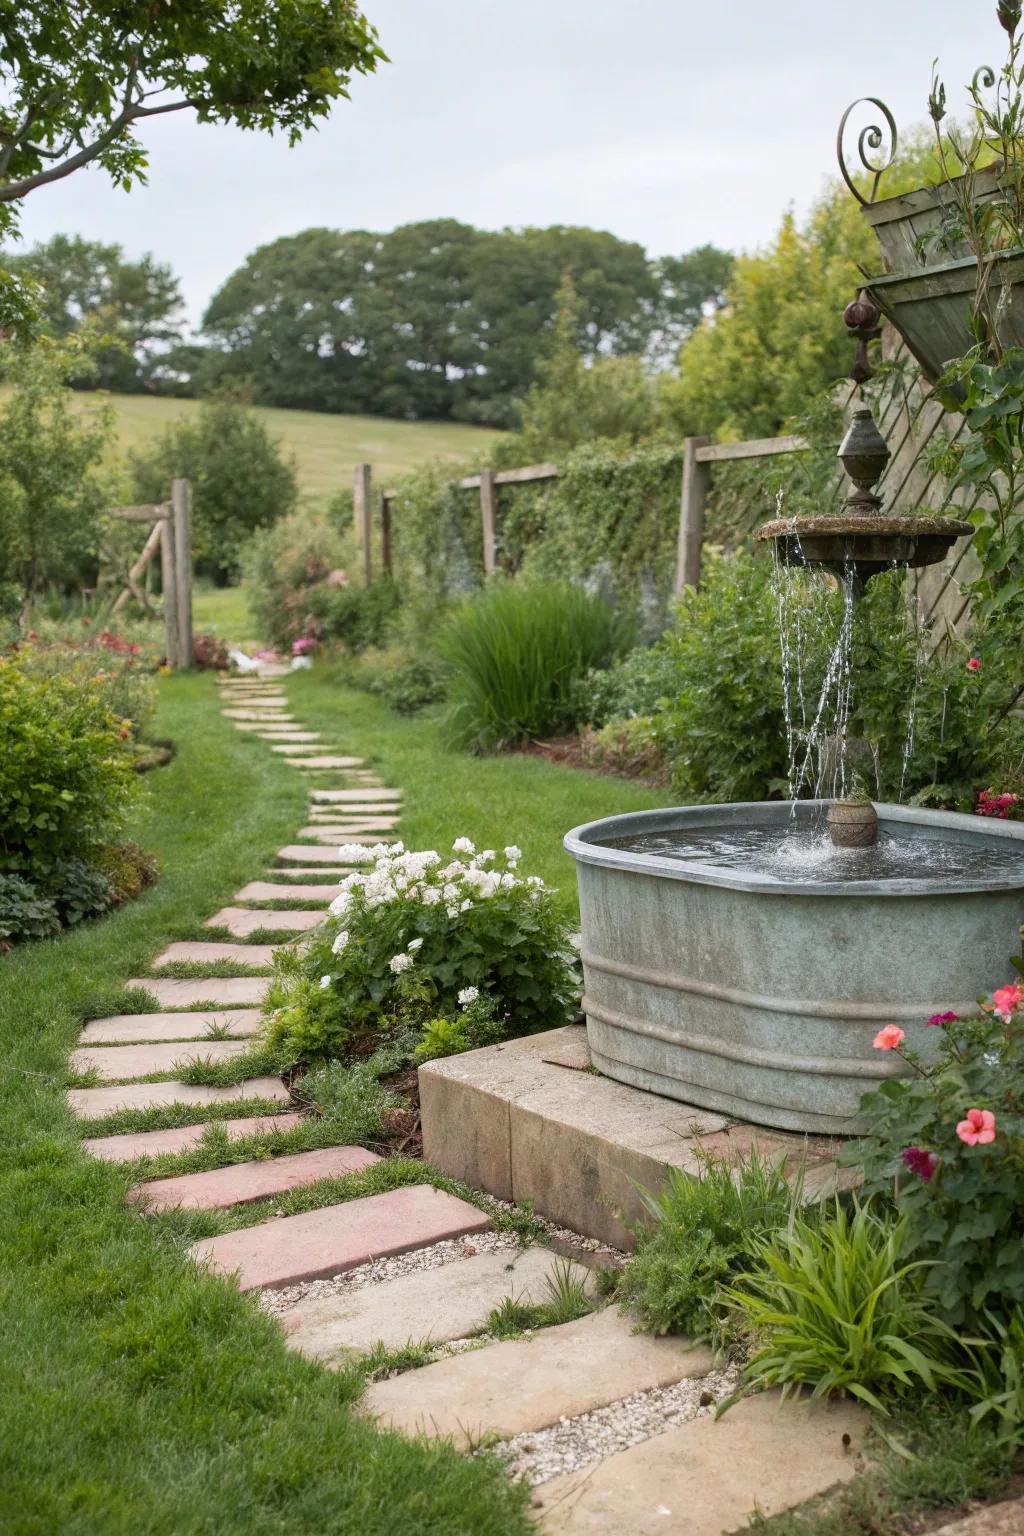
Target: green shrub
point(407, 681)
point(298, 582)
point(66, 775)
point(128, 869)
point(116, 669)
point(833, 1305)
point(408, 942)
point(24, 914)
point(240, 481)
point(628, 747)
point(962, 1202)
point(80, 890)
point(642, 683)
point(515, 653)
point(353, 617)
point(702, 1233)
point(473, 1027)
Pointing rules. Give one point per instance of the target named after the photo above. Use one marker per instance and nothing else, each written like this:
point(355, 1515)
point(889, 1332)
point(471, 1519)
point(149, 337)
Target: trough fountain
point(733, 957)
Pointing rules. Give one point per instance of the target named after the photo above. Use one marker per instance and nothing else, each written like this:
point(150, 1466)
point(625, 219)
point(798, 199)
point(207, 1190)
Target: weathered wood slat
point(756, 448)
point(143, 514)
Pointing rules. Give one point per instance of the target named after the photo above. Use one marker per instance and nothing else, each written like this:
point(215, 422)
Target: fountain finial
point(863, 453)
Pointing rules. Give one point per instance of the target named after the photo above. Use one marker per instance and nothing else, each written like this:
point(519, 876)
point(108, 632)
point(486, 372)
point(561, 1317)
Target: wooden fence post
point(361, 508)
point(181, 515)
point(691, 514)
point(168, 580)
point(488, 503)
point(385, 534)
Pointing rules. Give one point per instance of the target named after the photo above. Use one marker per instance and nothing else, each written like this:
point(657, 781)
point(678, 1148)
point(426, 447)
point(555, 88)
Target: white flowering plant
point(416, 938)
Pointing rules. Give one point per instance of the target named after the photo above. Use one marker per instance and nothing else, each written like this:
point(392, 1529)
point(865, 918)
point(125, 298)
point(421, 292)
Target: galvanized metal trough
point(760, 999)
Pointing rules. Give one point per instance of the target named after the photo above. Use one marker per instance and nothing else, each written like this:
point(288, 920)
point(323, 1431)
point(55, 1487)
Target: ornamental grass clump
point(515, 654)
point(416, 940)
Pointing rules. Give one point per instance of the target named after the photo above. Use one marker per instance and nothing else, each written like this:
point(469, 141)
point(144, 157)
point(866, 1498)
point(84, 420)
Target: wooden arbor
point(171, 533)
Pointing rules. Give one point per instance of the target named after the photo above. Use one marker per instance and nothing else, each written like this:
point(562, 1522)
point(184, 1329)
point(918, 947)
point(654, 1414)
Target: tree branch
point(13, 190)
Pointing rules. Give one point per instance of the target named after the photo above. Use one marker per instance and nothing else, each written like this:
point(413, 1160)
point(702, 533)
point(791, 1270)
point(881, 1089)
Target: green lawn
point(498, 800)
point(325, 447)
point(139, 1398)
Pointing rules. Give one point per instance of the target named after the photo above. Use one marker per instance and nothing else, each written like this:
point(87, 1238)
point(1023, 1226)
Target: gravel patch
point(378, 1270)
point(573, 1444)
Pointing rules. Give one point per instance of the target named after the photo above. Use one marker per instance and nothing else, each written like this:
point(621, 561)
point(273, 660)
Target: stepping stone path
point(615, 1428)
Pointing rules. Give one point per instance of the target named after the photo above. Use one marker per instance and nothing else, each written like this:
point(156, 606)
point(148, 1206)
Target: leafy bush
point(240, 482)
point(403, 941)
point(833, 1305)
point(642, 683)
point(475, 1026)
point(24, 914)
point(128, 869)
point(350, 1098)
point(210, 653)
point(299, 587)
point(118, 670)
point(515, 653)
point(353, 617)
point(628, 747)
point(960, 1192)
point(406, 681)
point(65, 772)
point(80, 890)
point(703, 1233)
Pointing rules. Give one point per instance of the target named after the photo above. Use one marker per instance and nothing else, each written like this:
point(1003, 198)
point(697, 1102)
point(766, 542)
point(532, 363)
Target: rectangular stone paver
point(322, 760)
point(327, 832)
point(126, 1148)
point(271, 890)
point(245, 956)
point(338, 1237)
point(205, 992)
point(333, 813)
point(1003, 1519)
point(239, 1183)
point(266, 700)
point(276, 730)
point(313, 745)
point(312, 853)
point(121, 1062)
point(709, 1475)
point(342, 796)
point(262, 713)
point(525, 1384)
point(430, 1304)
point(133, 1028)
point(90, 1102)
point(241, 921)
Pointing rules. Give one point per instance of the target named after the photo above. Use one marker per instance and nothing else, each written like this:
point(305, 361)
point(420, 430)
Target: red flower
point(974, 665)
point(920, 1162)
point(977, 1128)
point(943, 1018)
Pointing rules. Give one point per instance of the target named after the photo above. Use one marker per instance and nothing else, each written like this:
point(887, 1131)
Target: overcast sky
point(670, 122)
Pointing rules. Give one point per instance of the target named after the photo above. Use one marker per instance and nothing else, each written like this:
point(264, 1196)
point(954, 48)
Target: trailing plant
point(948, 1141)
point(702, 1231)
point(835, 1305)
point(515, 654)
point(415, 940)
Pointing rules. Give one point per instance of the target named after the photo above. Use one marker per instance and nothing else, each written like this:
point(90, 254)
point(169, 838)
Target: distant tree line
point(433, 320)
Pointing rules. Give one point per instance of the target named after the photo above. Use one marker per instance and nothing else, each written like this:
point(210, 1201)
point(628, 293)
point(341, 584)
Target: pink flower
point(995, 805)
point(974, 665)
point(943, 1018)
point(303, 644)
point(888, 1038)
point(1006, 1001)
point(979, 1128)
point(920, 1162)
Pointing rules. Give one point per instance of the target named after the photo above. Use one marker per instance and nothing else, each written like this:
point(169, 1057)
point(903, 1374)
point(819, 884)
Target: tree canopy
point(438, 318)
point(78, 76)
point(86, 287)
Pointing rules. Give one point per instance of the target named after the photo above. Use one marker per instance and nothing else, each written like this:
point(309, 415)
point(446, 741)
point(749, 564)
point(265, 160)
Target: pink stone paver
point(90, 1102)
point(241, 921)
point(270, 890)
point(239, 1183)
point(338, 1237)
point(118, 1063)
point(134, 1028)
point(305, 853)
point(357, 796)
point(125, 1149)
point(206, 992)
point(245, 956)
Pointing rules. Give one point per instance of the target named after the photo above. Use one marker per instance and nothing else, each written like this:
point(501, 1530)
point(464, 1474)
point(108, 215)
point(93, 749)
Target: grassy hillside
point(325, 448)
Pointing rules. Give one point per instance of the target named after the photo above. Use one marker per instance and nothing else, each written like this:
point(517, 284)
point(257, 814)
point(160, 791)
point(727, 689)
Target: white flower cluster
point(397, 874)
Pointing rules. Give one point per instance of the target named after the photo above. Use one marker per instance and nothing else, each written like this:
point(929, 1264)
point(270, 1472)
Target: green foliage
point(117, 671)
point(515, 653)
point(410, 942)
point(406, 680)
point(53, 492)
point(240, 482)
point(79, 890)
point(995, 1379)
point(352, 617)
point(350, 1099)
point(476, 1025)
point(65, 772)
point(962, 1205)
point(299, 562)
point(131, 308)
point(128, 868)
point(833, 1305)
point(24, 914)
point(567, 1300)
point(703, 1232)
point(77, 80)
point(640, 684)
